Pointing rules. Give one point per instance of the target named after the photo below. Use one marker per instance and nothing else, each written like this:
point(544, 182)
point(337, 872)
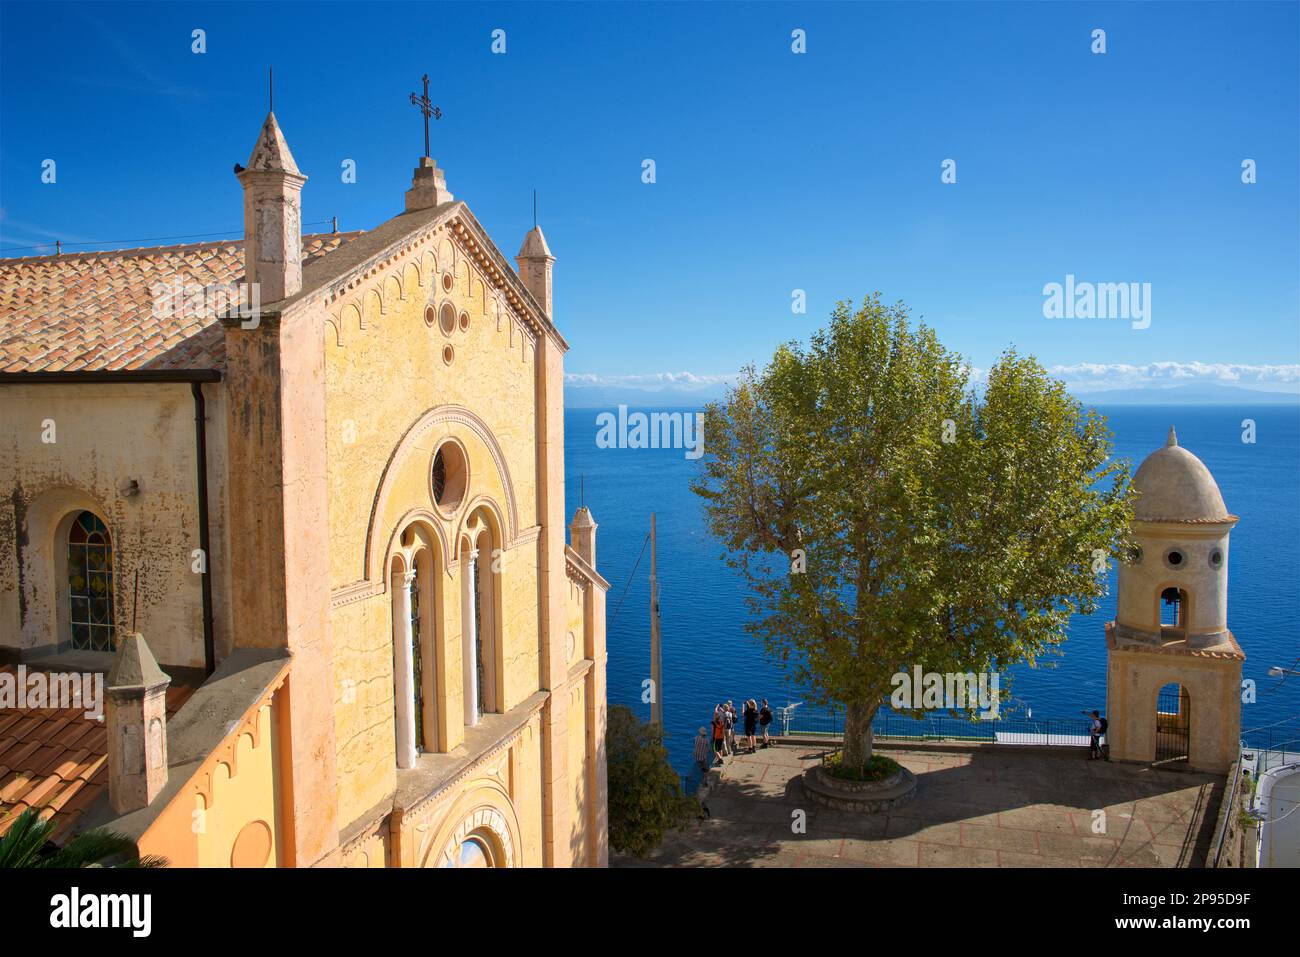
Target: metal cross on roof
point(427, 108)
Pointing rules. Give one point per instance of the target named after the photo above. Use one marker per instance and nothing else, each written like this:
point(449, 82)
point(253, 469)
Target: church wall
point(577, 765)
point(388, 390)
point(107, 435)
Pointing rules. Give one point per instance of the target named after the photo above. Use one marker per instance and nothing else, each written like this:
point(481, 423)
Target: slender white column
point(469, 628)
point(404, 671)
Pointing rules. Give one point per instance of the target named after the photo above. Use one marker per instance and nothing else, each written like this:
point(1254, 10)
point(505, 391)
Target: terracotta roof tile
point(55, 760)
point(96, 310)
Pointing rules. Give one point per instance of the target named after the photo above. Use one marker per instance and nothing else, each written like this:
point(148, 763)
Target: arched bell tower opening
point(1173, 681)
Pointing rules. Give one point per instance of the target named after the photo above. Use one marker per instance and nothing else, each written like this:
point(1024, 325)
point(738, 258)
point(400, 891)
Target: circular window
point(1135, 555)
point(430, 315)
point(447, 318)
point(464, 321)
point(447, 282)
point(1174, 558)
point(1216, 558)
point(448, 475)
point(448, 354)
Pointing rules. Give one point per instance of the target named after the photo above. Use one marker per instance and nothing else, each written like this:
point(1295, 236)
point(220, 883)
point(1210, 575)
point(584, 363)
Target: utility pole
point(656, 665)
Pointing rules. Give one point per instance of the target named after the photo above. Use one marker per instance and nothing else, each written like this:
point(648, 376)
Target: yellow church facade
point(315, 544)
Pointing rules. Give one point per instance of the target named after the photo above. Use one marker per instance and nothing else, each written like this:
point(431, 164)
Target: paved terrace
point(974, 807)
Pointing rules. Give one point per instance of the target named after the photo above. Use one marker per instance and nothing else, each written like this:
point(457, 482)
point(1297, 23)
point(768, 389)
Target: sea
point(708, 656)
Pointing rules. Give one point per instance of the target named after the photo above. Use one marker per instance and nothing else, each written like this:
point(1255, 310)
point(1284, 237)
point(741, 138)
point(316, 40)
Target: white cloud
point(678, 381)
point(1156, 375)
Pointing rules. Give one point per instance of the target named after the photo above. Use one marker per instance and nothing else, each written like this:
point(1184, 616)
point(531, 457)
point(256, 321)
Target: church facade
point(331, 510)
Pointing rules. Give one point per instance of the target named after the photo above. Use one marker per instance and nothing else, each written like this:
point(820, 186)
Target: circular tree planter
point(866, 797)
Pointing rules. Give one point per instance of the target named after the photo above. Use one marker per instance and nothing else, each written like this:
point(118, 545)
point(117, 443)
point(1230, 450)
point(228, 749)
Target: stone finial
point(582, 533)
point(428, 187)
point(1173, 437)
point(272, 215)
point(536, 265)
point(136, 716)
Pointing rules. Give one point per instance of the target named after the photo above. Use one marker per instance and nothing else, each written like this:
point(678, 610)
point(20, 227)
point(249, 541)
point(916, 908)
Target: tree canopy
point(887, 515)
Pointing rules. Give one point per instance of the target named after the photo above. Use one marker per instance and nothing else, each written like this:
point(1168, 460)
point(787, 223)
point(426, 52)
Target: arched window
point(90, 584)
point(481, 636)
point(415, 654)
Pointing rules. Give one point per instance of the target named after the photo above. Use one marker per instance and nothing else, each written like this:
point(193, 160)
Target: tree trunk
point(857, 735)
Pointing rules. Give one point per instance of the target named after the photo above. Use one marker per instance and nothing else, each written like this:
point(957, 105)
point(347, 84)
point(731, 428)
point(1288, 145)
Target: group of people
point(720, 741)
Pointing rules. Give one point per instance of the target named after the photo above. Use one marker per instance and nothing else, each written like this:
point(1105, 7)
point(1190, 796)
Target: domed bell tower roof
point(1175, 486)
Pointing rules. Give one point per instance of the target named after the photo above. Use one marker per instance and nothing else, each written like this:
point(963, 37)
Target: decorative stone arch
point(486, 505)
point(410, 444)
point(350, 318)
point(428, 522)
point(484, 807)
point(411, 278)
point(391, 292)
point(337, 326)
point(429, 269)
point(371, 294)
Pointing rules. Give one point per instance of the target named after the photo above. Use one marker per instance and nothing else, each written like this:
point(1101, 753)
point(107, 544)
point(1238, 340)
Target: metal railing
point(799, 720)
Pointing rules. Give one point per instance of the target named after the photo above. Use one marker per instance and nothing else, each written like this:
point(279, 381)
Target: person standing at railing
point(751, 724)
point(719, 733)
point(764, 719)
point(730, 717)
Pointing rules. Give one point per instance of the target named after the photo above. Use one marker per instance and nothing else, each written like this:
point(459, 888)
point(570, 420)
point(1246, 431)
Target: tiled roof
point(55, 760)
point(95, 310)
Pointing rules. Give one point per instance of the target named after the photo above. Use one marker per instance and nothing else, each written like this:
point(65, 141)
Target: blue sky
point(775, 171)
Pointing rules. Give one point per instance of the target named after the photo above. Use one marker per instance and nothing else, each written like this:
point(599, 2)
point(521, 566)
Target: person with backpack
point(764, 719)
point(729, 716)
point(1099, 726)
point(719, 735)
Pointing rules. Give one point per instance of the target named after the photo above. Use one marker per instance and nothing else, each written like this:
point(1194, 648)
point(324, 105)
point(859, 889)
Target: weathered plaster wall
point(105, 436)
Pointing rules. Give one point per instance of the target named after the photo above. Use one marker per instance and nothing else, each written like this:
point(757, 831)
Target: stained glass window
point(90, 584)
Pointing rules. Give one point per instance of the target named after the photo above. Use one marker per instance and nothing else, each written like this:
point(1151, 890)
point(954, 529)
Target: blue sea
point(708, 656)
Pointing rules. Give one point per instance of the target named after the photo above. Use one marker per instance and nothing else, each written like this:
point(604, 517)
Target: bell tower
point(1171, 625)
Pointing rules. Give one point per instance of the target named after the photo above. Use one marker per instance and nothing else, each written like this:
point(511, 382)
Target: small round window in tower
point(448, 475)
point(1135, 555)
point(464, 321)
point(430, 315)
point(1216, 558)
point(448, 354)
point(447, 282)
point(1174, 558)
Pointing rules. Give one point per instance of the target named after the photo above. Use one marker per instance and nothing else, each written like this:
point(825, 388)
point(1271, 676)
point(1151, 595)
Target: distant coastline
point(607, 397)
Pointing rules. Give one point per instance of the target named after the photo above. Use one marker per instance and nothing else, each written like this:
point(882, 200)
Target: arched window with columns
point(481, 595)
point(415, 648)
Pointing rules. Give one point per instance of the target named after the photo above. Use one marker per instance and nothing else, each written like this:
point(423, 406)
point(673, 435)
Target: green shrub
point(645, 793)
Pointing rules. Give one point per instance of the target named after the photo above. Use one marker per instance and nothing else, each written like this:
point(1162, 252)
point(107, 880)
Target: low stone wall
point(869, 797)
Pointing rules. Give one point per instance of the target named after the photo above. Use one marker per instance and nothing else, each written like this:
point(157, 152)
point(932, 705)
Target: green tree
point(885, 515)
point(645, 793)
point(26, 844)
